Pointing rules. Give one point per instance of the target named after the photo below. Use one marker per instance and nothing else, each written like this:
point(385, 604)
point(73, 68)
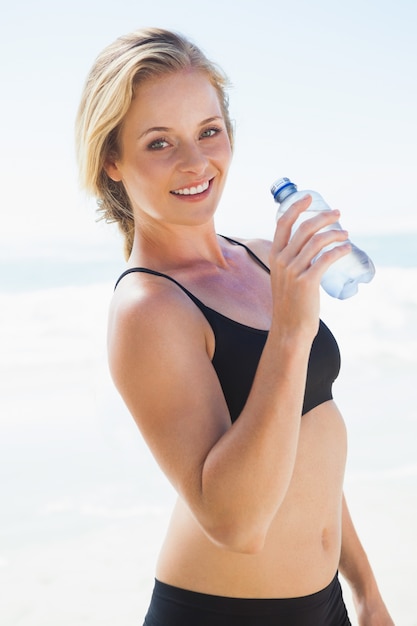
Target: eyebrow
point(165, 129)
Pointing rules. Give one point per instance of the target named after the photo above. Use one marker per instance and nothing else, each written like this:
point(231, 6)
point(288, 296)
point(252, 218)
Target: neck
point(167, 247)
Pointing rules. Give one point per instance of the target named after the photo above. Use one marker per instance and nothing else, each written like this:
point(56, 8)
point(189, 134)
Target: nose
point(192, 159)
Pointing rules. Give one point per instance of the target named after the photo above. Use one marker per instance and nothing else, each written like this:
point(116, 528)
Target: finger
point(321, 221)
point(287, 220)
point(308, 230)
point(317, 245)
point(325, 260)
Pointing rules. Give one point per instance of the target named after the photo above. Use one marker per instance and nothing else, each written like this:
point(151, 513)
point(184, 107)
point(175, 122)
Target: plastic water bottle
point(342, 277)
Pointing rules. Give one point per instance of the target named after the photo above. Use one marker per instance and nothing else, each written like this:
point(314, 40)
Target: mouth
point(193, 190)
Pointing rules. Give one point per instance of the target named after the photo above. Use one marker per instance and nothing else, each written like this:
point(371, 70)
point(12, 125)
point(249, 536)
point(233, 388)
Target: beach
point(84, 506)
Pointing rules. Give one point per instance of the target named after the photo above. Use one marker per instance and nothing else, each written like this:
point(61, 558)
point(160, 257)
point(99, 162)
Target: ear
point(111, 168)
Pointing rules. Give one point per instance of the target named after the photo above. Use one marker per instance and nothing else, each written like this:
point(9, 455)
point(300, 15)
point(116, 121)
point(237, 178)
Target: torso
point(302, 550)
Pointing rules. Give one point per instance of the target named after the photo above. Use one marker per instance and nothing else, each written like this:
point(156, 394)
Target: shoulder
point(150, 315)
point(260, 247)
point(139, 297)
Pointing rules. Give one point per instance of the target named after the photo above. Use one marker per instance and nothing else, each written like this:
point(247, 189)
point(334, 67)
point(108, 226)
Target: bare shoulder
point(147, 311)
point(139, 296)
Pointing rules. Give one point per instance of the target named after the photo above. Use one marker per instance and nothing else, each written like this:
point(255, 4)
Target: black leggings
point(172, 606)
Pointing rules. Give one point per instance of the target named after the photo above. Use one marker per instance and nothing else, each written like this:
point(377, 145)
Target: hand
point(295, 280)
point(373, 613)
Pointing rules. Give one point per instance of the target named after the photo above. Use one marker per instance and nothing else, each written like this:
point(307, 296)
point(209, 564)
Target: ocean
point(84, 506)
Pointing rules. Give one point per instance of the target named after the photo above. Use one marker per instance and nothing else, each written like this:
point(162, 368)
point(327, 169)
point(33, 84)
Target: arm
point(227, 474)
point(232, 477)
point(355, 568)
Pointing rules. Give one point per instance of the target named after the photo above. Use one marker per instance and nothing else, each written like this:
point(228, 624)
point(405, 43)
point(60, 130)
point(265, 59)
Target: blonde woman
point(218, 351)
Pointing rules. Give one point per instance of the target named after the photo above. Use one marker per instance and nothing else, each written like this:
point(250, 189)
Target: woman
point(217, 349)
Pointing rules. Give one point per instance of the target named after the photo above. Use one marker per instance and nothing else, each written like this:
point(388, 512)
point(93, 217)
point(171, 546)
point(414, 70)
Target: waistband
point(245, 606)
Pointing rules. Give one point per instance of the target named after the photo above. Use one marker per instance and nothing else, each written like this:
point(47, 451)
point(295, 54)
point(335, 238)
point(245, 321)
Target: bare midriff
point(302, 548)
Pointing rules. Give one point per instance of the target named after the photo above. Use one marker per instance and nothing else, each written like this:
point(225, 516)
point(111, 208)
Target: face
point(174, 150)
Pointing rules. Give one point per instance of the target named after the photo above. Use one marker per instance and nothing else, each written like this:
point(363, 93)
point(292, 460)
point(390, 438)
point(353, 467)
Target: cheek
point(144, 185)
point(227, 155)
point(227, 149)
point(139, 175)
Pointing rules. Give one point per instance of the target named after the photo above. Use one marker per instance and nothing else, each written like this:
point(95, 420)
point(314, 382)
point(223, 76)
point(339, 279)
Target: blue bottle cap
point(279, 185)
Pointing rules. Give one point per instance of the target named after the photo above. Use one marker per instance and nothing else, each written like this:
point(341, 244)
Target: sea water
point(84, 506)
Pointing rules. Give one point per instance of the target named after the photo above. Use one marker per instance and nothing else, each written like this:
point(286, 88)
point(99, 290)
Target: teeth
point(192, 191)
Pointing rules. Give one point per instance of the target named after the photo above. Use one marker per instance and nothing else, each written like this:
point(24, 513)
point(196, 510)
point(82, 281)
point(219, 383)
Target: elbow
point(238, 539)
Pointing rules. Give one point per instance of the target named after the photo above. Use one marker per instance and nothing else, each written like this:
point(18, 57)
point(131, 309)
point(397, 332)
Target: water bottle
point(342, 277)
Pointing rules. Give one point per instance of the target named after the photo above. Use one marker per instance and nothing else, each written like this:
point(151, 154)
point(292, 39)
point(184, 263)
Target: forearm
point(354, 564)
point(356, 569)
point(247, 473)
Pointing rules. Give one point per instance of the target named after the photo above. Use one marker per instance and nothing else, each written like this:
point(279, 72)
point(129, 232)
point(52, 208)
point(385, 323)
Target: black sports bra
point(238, 349)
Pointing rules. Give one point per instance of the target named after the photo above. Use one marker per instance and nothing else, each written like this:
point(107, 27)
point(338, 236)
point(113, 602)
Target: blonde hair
point(106, 98)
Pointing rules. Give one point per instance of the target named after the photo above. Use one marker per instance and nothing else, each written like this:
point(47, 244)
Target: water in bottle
point(342, 278)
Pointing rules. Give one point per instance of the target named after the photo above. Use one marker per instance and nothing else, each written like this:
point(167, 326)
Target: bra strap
point(249, 251)
point(146, 270)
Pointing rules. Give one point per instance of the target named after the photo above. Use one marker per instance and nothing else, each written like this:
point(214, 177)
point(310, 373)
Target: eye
point(211, 132)
point(158, 144)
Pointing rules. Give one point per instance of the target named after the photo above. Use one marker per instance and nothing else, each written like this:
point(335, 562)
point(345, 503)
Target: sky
point(322, 92)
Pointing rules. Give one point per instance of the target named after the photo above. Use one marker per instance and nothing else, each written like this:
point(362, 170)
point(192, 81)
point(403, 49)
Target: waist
point(292, 564)
point(322, 607)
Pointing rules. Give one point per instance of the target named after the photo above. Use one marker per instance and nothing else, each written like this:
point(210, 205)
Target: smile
point(192, 191)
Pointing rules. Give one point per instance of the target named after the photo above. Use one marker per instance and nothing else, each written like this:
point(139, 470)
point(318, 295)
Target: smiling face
point(174, 150)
